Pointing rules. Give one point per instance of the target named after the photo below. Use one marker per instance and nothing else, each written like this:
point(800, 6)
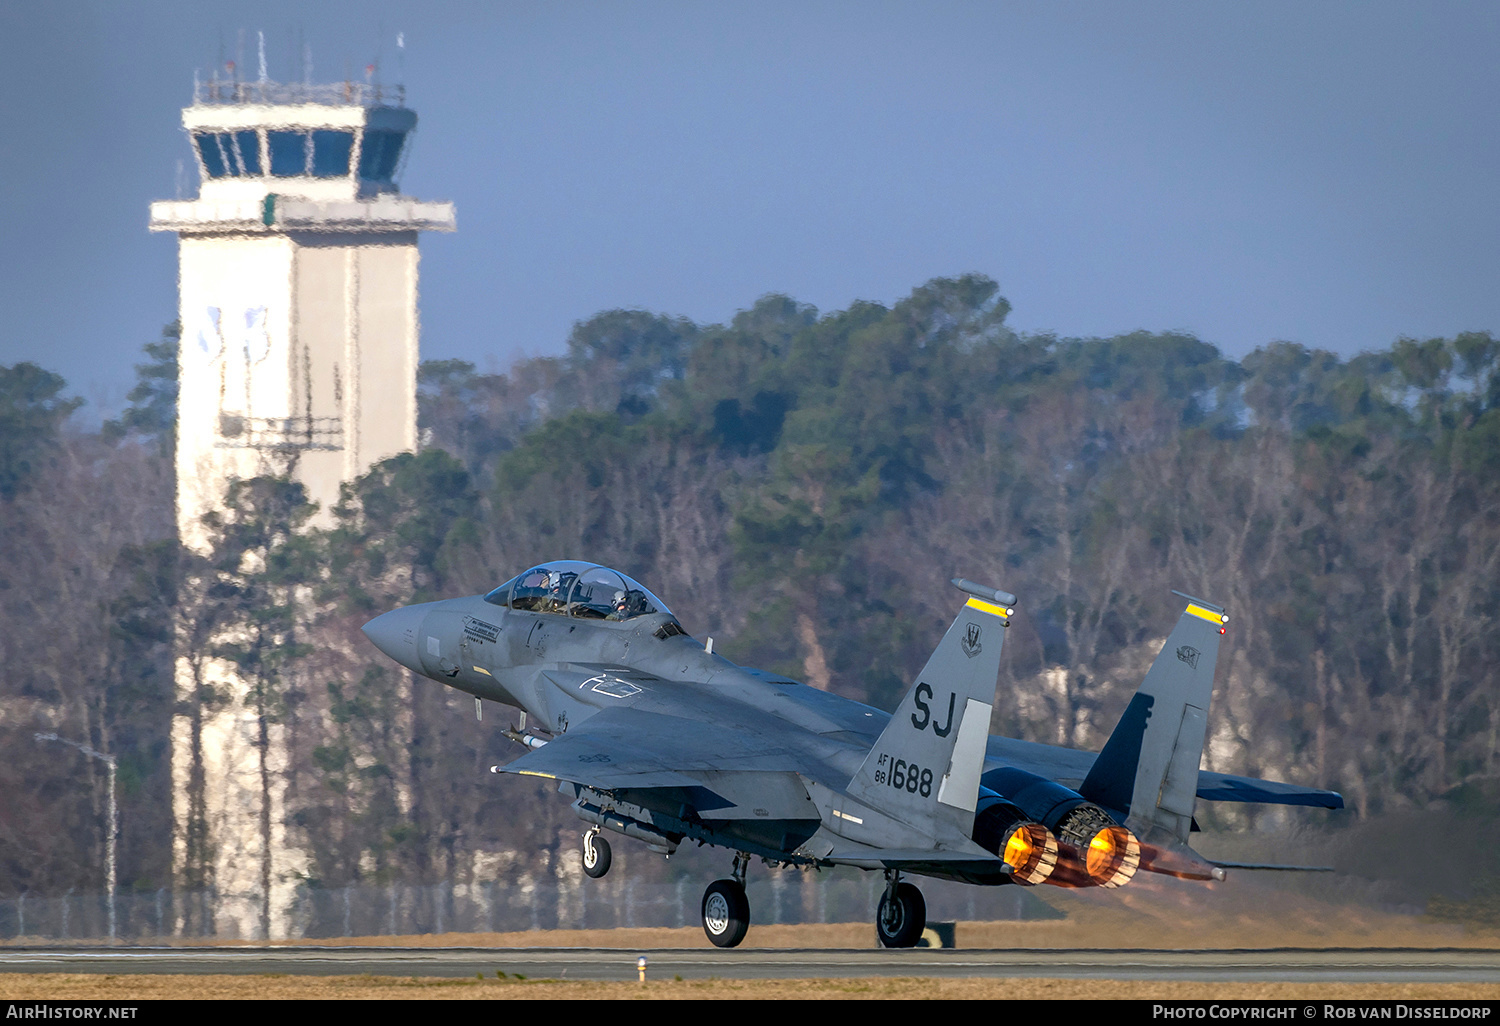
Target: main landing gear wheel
point(902, 917)
point(726, 913)
point(596, 854)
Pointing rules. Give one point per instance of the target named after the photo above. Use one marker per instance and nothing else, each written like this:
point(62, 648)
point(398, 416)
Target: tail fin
point(924, 769)
point(1149, 766)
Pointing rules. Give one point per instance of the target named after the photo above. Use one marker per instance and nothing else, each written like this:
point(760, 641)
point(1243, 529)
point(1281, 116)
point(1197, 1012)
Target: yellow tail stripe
point(1204, 614)
point(988, 607)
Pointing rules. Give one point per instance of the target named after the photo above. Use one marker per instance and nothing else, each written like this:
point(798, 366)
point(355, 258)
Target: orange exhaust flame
point(1070, 871)
point(1031, 852)
point(1112, 857)
point(1109, 860)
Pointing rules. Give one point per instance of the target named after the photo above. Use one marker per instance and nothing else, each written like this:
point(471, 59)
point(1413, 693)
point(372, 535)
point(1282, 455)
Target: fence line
point(364, 910)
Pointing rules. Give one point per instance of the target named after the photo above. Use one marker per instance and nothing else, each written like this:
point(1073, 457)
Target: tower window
point(288, 153)
point(379, 151)
point(321, 153)
point(229, 153)
point(214, 161)
point(247, 149)
point(330, 153)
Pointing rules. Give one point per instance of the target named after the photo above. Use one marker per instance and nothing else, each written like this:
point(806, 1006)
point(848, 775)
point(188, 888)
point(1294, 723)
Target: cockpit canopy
point(569, 587)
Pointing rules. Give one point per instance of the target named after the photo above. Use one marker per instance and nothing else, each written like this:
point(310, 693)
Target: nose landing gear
point(596, 854)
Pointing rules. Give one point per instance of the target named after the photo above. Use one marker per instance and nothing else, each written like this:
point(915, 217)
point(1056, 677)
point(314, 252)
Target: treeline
point(800, 486)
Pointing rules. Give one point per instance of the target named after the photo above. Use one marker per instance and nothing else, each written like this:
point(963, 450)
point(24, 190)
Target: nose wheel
point(902, 916)
point(596, 854)
point(726, 910)
point(726, 913)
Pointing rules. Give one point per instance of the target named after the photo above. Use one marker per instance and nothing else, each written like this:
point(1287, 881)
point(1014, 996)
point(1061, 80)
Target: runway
point(1287, 965)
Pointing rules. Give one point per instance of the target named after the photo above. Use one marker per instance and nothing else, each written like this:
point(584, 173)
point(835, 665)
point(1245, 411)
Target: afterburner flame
point(1112, 857)
point(1018, 849)
point(1031, 852)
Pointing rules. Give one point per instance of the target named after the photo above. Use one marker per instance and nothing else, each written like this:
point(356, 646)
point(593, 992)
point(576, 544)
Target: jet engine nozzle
point(1096, 851)
point(1112, 857)
point(1110, 853)
point(1027, 847)
point(1031, 853)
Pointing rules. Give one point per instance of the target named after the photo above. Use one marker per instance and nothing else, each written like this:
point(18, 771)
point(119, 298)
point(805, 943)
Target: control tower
point(297, 287)
point(297, 283)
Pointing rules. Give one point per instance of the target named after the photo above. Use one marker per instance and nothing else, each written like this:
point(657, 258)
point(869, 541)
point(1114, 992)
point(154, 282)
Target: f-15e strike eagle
point(659, 739)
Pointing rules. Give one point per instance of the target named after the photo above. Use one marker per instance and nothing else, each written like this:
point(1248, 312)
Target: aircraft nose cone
point(395, 634)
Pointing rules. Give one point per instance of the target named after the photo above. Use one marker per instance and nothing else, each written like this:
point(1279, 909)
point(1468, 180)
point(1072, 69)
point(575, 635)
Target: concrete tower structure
point(298, 304)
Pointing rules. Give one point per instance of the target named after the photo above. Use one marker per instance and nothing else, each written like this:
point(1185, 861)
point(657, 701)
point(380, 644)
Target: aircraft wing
point(631, 748)
point(1069, 766)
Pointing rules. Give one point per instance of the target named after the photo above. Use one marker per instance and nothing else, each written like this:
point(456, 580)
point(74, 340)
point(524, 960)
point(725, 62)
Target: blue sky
point(1324, 173)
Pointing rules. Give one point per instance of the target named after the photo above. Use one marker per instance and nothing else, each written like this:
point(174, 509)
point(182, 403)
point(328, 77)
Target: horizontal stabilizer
point(1221, 787)
point(1071, 766)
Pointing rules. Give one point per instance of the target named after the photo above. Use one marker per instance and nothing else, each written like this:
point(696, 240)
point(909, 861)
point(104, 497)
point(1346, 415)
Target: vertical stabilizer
point(1149, 766)
point(924, 769)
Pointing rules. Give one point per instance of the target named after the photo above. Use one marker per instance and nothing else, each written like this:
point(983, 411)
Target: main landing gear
point(903, 913)
point(899, 923)
point(596, 854)
point(726, 910)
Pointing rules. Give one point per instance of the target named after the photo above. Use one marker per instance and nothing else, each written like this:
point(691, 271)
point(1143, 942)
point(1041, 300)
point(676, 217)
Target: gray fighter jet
point(657, 738)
